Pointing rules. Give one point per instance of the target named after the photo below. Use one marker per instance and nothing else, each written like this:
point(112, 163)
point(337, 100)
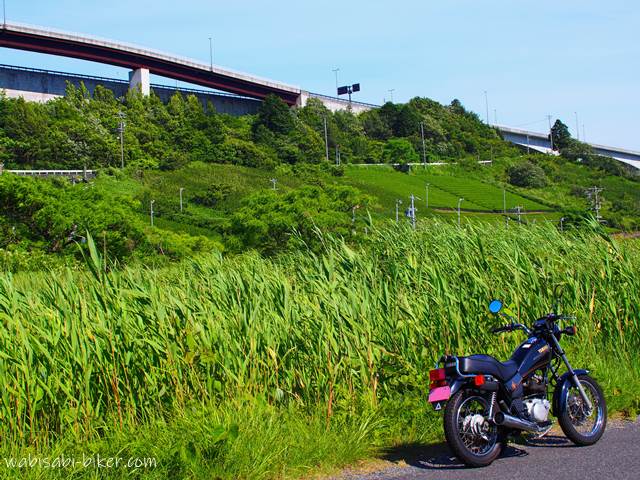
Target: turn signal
point(478, 380)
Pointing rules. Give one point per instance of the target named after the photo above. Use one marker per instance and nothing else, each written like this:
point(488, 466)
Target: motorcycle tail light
point(478, 380)
point(437, 375)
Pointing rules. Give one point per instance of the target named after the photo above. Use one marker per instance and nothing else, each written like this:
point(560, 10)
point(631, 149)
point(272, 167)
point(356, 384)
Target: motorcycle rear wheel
point(475, 445)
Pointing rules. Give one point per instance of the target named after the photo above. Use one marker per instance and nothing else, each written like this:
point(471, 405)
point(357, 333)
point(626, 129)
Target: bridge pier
point(139, 78)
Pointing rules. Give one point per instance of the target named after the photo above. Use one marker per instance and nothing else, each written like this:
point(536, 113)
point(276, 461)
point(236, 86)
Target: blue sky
point(532, 57)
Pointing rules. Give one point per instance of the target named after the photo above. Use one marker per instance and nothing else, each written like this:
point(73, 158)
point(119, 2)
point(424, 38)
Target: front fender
point(559, 394)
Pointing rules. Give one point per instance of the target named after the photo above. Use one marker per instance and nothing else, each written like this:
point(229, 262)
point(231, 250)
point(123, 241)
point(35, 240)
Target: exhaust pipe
point(504, 420)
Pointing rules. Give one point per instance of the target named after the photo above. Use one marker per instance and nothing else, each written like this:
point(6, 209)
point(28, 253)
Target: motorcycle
point(486, 401)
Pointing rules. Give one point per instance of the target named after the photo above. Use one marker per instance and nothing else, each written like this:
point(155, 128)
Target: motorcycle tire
point(567, 425)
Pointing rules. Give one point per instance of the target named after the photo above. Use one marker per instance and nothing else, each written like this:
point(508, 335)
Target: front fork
point(572, 374)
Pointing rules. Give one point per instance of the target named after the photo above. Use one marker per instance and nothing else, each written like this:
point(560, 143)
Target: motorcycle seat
point(488, 365)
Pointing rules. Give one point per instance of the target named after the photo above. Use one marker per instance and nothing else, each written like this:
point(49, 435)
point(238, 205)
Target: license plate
point(438, 397)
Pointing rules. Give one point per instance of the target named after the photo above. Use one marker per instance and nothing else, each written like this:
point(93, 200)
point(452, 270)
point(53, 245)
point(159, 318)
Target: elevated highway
point(541, 142)
point(141, 61)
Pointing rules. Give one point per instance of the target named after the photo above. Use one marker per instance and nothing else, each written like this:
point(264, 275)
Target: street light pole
point(152, 202)
point(424, 151)
point(486, 101)
point(336, 70)
point(398, 203)
point(4, 14)
point(181, 189)
point(550, 131)
point(211, 53)
point(459, 202)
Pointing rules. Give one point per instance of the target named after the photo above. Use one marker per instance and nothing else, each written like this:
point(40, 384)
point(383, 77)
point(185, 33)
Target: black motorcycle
point(488, 400)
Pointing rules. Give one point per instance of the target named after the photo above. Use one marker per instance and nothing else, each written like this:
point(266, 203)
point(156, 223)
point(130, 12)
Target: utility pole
point(336, 70)
point(338, 155)
point(562, 224)
point(121, 126)
point(211, 53)
point(495, 116)
point(486, 101)
point(428, 194)
point(273, 180)
point(181, 189)
point(459, 202)
point(584, 136)
point(398, 203)
point(577, 127)
point(412, 212)
point(424, 151)
point(519, 212)
point(550, 131)
point(391, 93)
point(152, 202)
point(4, 13)
point(326, 138)
point(593, 194)
point(504, 201)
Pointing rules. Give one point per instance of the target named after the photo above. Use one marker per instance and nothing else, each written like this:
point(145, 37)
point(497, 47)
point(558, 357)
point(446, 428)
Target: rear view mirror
point(495, 306)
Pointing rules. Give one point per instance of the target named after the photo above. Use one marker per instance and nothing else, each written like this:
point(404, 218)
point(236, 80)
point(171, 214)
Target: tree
point(399, 150)
point(560, 135)
point(275, 115)
point(527, 174)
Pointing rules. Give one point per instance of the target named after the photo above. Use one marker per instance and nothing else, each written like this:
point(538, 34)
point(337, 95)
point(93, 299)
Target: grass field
point(444, 190)
point(246, 367)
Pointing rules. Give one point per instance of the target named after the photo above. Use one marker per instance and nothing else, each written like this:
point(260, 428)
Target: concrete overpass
point(142, 61)
point(540, 142)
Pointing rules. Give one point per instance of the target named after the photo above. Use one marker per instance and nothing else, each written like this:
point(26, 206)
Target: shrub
point(528, 175)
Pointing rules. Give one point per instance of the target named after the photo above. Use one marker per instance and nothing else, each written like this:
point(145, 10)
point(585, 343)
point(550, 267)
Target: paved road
point(615, 457)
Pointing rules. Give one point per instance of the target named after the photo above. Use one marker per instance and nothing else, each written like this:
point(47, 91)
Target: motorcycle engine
point(538, 409)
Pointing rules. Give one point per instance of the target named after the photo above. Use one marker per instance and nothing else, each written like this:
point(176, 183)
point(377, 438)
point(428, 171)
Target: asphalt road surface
point(615, 457)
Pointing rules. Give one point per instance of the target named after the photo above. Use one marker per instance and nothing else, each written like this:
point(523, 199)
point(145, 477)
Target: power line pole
point(326, 138)
point(459, 202)
point(550, 131)
point(391, 93)
point(519, 212)
point(181, 189)
point(577, 127)
point(428, 194)
point(121, 126)
point(424, 151)
point(593, 194)
point(152, 202)
point(4, 13)
point(412, 212)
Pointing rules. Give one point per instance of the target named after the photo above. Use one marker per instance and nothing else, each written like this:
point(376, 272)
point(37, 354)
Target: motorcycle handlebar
point(505, 328)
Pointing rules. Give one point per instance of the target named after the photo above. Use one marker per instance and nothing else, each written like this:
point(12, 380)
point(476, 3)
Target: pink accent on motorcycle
point(439, 394)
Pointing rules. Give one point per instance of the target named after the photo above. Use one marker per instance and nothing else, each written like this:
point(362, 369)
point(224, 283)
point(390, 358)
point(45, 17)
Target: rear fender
point(560, 392)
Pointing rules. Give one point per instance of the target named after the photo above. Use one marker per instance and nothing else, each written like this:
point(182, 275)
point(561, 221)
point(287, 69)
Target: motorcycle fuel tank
point(532, 354)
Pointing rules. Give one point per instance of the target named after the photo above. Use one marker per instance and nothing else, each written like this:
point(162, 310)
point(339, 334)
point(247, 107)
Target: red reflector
point(436, 375)
point(478, 380)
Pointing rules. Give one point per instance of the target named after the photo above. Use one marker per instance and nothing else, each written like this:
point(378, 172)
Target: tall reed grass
point(328, 329)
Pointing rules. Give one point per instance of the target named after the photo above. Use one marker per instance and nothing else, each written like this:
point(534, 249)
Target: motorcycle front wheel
point(581, 425)
point(472, 438)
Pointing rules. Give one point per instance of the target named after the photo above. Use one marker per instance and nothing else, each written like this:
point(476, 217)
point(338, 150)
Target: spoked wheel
point(581, 424)
point(475, 440)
